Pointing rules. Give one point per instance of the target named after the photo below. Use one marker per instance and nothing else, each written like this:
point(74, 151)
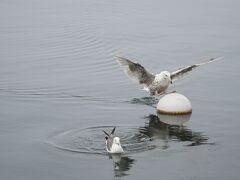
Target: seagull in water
point(155, 84)
point(113, 144)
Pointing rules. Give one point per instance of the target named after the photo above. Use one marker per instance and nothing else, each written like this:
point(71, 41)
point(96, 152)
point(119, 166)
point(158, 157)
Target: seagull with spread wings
point(155, 84)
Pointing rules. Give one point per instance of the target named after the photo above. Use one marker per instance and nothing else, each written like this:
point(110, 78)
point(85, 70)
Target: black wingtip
point(113, 130)
point(215, 59)
point(105, 133)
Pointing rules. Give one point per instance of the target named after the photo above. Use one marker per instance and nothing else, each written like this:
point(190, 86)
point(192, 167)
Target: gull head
point(167, 76)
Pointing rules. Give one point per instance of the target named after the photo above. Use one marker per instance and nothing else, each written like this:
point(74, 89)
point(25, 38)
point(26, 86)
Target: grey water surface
point(60, 86)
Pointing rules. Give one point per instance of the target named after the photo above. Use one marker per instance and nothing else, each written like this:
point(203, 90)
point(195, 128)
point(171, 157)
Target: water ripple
point(91, 140)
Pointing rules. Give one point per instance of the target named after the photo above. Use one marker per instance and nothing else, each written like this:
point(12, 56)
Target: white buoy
point(174, 104)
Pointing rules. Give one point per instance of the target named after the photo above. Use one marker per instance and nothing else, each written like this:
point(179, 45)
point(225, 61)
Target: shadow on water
point(158, 130)
point(121, 164)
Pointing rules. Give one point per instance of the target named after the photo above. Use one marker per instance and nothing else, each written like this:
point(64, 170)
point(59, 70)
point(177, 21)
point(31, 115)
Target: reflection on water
point(121, 164)
point(158, 130)
point(149, 101)
point(174, 120)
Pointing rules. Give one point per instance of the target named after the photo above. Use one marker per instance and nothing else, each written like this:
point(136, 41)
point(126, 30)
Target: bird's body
point(116, 146)
point(159, 83)
point(113, 144)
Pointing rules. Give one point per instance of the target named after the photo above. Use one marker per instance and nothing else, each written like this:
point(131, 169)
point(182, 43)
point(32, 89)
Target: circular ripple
point(91, 140)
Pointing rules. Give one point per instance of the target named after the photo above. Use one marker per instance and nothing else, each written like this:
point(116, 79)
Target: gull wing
point(106, 133)
point(136, 71)
point(113, 130)
point(183, 71)
point(109, 140)
point(109, 143)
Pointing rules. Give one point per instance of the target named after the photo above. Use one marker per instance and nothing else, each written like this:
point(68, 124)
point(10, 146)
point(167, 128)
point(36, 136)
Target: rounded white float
point(174, 104)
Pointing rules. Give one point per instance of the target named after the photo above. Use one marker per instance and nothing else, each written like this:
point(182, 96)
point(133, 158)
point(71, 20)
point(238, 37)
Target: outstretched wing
point(183, 71)
point(136, 71)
